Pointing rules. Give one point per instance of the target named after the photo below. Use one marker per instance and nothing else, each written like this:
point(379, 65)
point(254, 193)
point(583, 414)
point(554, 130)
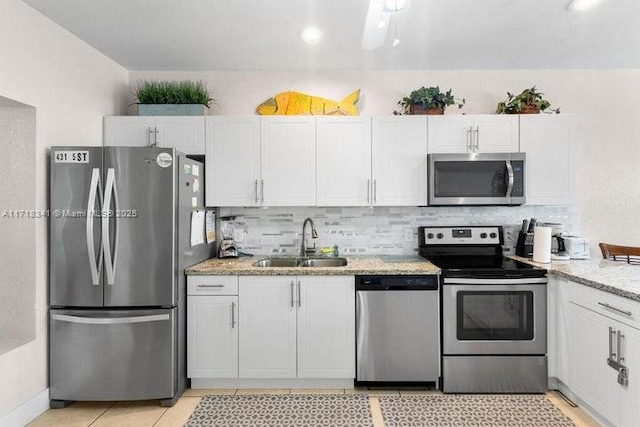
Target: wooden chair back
point(628, 254)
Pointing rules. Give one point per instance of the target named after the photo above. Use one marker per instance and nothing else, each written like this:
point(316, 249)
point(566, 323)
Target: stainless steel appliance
point(493, 312)
point(397, 329)
point(120, 234)
point(476, 179)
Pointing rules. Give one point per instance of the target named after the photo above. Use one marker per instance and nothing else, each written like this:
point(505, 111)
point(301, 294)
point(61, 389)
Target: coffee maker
point(558, 249)
point(228, 247)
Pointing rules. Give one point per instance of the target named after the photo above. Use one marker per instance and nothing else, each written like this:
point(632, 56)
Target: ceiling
point(210, 35)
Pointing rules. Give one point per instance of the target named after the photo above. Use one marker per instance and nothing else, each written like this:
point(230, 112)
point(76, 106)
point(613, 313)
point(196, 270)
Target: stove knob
point(493, 235)
point(440, 236)
point(430, 236)
point(483, 235)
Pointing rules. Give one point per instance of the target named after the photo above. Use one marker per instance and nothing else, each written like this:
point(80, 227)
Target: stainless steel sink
point(324, 262)
point(301, 262)
point(277, 262)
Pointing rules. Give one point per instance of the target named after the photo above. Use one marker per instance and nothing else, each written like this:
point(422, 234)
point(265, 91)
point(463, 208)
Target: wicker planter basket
point(417, 109)
point(530, 109)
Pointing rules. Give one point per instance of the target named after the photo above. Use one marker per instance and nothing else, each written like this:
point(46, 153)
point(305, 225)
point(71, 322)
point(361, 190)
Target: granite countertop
point(616, 277)
point(355, 265)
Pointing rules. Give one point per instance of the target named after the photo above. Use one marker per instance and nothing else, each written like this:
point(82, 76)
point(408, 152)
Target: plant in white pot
point(172, 98)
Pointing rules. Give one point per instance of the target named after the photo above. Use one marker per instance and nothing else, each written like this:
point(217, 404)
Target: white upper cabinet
point(129, 131)
point(233, 161)
point(481, 133)
point(344, 161)
point(399, 146)
point(547, 140)
point(268, 161)
point(288, 161)
point(184, 133)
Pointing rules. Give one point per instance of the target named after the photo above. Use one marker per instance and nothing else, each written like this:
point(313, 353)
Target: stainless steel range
point(494, 312)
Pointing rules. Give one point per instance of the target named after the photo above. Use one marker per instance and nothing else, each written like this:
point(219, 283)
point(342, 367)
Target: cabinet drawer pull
point(626, 313)
point(211, 286)
point(233, 315)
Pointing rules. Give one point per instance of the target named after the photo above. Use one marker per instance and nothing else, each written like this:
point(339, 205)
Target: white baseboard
point(269, 383)
point(27, 412)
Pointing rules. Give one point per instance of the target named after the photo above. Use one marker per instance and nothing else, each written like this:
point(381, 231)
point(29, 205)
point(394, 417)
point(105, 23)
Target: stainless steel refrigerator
point(120, 239)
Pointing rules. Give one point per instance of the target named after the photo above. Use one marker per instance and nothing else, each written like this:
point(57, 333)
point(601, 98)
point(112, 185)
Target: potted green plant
point(529, 101)
point(428, 100)
point(172, 98)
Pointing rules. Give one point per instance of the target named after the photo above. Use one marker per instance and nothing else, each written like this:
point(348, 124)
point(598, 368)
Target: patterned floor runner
point(505, 410)
point(263, 410)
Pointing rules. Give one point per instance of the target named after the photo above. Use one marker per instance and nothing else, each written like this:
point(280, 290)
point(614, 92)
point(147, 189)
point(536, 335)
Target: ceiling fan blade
point(373, 35)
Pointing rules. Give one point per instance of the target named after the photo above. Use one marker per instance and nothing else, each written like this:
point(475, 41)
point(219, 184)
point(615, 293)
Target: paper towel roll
point(542, 244)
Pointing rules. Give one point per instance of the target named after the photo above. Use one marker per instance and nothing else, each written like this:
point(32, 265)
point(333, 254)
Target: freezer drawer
point(112, 354)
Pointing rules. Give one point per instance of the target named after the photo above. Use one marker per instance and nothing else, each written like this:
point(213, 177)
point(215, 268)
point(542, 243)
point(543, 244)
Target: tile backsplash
point(378, 230)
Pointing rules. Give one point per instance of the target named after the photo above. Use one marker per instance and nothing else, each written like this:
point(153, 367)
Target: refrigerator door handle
point(110, 320)
point(94, 264)
point(109, 259)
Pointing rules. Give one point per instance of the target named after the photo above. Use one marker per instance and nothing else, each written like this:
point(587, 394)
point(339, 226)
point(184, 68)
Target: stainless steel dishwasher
point(397, 329)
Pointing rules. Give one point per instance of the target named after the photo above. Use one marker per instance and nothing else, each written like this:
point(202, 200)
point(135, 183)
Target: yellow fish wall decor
point(301, 104)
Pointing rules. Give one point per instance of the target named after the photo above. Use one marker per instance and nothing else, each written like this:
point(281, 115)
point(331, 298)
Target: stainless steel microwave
point(476, 179)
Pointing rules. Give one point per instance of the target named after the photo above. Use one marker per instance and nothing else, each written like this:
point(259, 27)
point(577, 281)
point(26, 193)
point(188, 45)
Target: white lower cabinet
point(599, 334)
point(212, 327)
point(297, 327)
point(271, 328)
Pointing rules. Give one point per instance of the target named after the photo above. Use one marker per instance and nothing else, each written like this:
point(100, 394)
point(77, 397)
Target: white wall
point(71, 86)
point(605, 102)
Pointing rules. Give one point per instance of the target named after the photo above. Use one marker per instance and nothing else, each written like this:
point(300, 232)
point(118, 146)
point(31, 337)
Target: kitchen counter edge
point(355, 266)
point(615, 277)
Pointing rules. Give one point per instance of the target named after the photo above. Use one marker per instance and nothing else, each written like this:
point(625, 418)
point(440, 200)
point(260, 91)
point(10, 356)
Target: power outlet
point(238, 235)
point(408, 234)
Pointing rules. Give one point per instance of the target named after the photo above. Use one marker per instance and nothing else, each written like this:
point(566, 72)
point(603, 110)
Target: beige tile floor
point(149, 413)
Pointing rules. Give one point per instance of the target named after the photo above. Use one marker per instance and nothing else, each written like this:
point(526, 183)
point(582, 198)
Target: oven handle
point(509, 281)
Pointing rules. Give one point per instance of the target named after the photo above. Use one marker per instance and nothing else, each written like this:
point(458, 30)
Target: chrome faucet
point(314, 234)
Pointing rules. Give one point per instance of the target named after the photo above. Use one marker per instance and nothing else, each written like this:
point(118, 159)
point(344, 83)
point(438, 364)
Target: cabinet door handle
point(299, 295)
point(470, 137)
point(612, 354)
point(233, 315)
point(610, 307)
point(152, 142)
point(262, 191)
point(368, 191)
point(477, 137)
point(611, 332)
point(619, 347)
point(210, 286)
point(292, 297)
point(375, 191)
point(256, 191)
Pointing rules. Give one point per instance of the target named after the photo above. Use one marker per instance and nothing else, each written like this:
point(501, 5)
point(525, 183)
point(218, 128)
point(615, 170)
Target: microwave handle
point(511, 178)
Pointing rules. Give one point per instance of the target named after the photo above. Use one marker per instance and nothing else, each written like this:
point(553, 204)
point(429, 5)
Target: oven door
point(494, 316)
